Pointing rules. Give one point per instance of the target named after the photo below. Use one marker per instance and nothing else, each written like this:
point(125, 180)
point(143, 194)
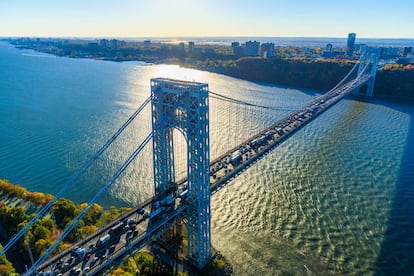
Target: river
point(337, 197)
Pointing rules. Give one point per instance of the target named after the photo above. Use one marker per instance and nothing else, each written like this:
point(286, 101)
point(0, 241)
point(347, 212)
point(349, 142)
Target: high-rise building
point(267, 49)
point(181, 47)
point(235, 46)
point(328, 47)
point(104, 42)
point(191, 46)
point(252, 48)
point(351, 43)
point(407, 51)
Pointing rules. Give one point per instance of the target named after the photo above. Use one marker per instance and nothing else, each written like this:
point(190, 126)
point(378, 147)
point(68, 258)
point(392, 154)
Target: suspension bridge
point(182, 106)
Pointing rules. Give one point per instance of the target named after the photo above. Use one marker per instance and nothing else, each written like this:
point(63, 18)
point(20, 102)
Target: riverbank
point(17, 206)
point(393, 80)
point(17, 203)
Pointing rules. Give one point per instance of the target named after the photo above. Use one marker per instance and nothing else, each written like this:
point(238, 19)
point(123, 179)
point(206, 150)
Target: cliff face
point(394, 81)
point(309, 74)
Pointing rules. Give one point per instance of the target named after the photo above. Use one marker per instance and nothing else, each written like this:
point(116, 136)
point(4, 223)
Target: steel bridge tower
point(369, 56)
point(183, 105)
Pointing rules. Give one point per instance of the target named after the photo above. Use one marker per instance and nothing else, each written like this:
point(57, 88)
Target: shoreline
point(251, 69)
point(219, 264)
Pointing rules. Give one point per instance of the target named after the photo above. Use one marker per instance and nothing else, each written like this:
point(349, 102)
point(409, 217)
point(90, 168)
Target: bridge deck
point(222, 170)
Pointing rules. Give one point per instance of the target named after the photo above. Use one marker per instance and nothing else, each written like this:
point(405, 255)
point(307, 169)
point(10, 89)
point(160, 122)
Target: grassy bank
point(18, 206)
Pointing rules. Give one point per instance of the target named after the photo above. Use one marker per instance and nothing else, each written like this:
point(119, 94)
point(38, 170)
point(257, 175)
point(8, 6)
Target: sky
point(199, 18)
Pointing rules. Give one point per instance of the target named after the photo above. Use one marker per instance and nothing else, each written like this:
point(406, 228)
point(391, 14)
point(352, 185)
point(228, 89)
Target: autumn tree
point(64, 212)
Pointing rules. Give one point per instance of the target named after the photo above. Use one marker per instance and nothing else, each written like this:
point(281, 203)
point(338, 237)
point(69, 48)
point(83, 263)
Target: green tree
point(41, 232)
point(40, 246)
point(64, 212)
point(6, 267)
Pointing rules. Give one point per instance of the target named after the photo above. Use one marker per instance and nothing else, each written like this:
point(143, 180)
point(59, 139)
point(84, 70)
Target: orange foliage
point(409, 67)
point(5, 270)
point(47, 199)
point(36, 197)
point(88, 229)
point(16, 190)
point(392, 67)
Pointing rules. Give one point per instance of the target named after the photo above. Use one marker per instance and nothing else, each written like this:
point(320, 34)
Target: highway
point(223, 169)
point(141, 225)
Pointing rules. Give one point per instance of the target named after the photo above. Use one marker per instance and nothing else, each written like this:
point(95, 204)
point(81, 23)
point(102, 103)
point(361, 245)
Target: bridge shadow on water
point(397, 250)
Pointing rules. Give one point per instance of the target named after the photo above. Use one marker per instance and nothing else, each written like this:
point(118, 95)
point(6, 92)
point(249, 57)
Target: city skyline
point(184, 18)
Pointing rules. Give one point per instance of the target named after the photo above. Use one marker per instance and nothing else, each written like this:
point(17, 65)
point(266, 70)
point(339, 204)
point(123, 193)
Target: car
point(77, 252)
point(71, 259)
point(141, 211)
point(93, 262)
point(131, 221)
point(87, 256)
point(89, 248)
point(112, 249)
point(58, 265)
point(86, 270)
point(65, 266)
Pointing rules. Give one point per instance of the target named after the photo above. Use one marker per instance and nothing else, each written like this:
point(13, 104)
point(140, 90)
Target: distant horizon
point(190, 18)
point(205, 36)
point(285, 41)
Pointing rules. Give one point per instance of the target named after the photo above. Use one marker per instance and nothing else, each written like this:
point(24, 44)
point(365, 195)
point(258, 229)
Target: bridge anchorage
point(184, 106)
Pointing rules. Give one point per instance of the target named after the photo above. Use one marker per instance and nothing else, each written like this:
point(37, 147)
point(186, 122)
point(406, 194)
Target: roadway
point(139, 226)
point(224, 168)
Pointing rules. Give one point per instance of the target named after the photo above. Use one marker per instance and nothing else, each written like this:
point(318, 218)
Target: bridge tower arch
point(184, 106)
point(369, 56)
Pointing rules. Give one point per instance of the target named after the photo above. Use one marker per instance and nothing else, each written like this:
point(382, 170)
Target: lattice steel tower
point(369, 56)
point(184, 105)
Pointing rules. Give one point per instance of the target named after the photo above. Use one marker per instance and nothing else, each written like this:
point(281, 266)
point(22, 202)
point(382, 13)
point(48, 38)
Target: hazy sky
point(165, 18)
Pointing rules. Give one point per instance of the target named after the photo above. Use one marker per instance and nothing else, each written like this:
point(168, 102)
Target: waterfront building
point(407, 51)
point(235, 47)
point(114, 43)
point(252, 48)
point(191, 46)
point(328, 47)
point(147, 43)
point(104, 42)
point(267, 49)
point(350, 43)
point(389, 52)
point(181, 47)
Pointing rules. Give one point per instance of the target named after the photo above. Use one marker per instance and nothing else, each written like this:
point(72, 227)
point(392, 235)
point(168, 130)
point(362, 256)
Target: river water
point(337, 197)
